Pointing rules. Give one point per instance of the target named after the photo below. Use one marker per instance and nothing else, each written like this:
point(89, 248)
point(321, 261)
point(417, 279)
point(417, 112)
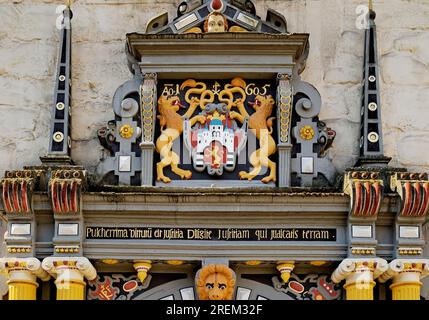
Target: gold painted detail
point(126, 131)
point(253, 262)
point(147, 104)
point(285, 106)
point(66, 249)
point(318, 263)
point(237, 29)
point(175, 262)
point(285, 270)
point(215, 282)
point(172, 127)
point(142, 267)
point(19, 249)
point(110, 261)
point(410, 251)
point(306, 132)
point(363, 251)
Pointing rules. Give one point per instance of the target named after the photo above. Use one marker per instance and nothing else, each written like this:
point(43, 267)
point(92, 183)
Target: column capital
point(406, 275)
point(404, 269)
point(19, 269)
point(57, 266)
point(352, 267)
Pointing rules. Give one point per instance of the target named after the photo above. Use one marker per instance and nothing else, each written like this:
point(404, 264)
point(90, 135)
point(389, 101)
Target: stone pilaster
point(70, 274)
point(359, 275)
point(365, 189)
point(284, 114)
point(22, 277)
point(148, 104)
point(406, 275)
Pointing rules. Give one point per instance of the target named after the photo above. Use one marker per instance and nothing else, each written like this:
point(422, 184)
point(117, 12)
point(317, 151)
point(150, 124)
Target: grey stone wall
point(29, 44)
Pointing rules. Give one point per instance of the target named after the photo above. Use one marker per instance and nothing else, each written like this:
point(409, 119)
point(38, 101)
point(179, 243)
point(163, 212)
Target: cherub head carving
point(215, 282)
point(215, 22)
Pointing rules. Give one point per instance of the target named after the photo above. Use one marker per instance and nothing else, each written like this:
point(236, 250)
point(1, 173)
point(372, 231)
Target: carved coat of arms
point(215, 143)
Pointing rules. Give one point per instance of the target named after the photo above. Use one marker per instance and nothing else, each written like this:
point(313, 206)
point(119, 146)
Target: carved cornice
point(366, 191)
point(413, 189)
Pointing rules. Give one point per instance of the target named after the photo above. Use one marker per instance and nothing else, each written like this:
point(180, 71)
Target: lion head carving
point(215, 282)
point(263, 103)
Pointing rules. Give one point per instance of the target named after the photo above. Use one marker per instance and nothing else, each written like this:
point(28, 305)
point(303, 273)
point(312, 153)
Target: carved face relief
point(215, 287)
point(216, 23)
point(215, 282)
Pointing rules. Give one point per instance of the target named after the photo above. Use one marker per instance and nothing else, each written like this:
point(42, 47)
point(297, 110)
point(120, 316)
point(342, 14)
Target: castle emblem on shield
point(216, 143)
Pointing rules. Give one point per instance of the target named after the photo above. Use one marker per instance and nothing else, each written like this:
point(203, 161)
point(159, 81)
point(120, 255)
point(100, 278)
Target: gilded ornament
point(126, 131)
point(175, 262)
point(306, 132)
point(262, 123)
point(285, 269)
point(110, 261)
point(171, 124)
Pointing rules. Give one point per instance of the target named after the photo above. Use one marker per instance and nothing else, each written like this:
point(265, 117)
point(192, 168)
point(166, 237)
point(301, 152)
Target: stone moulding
point(255, 55)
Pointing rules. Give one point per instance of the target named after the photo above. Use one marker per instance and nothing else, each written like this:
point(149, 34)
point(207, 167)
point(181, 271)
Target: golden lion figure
point(171, 128)
point(262, 125)
point(215, 282)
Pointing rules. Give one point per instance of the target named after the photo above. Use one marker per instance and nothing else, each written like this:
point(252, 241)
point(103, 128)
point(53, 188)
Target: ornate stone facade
point(227, 146)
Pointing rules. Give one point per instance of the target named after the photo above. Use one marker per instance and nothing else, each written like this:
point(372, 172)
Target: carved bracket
point(366, 191)
point(18, 190)
point(65, 189)
point(413, 189)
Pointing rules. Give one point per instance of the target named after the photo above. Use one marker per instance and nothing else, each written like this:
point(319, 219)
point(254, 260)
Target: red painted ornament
point(217, 4)
point(296, 287)
point(130, 286)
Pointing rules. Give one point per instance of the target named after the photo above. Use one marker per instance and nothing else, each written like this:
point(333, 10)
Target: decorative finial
point(69, 3)
point(217, 5)
point(372, 14)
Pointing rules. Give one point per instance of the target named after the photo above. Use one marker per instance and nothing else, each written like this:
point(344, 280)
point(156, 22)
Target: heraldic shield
point(215, 144)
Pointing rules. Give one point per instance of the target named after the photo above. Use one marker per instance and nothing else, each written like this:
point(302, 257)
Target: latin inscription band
point(214, 234)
